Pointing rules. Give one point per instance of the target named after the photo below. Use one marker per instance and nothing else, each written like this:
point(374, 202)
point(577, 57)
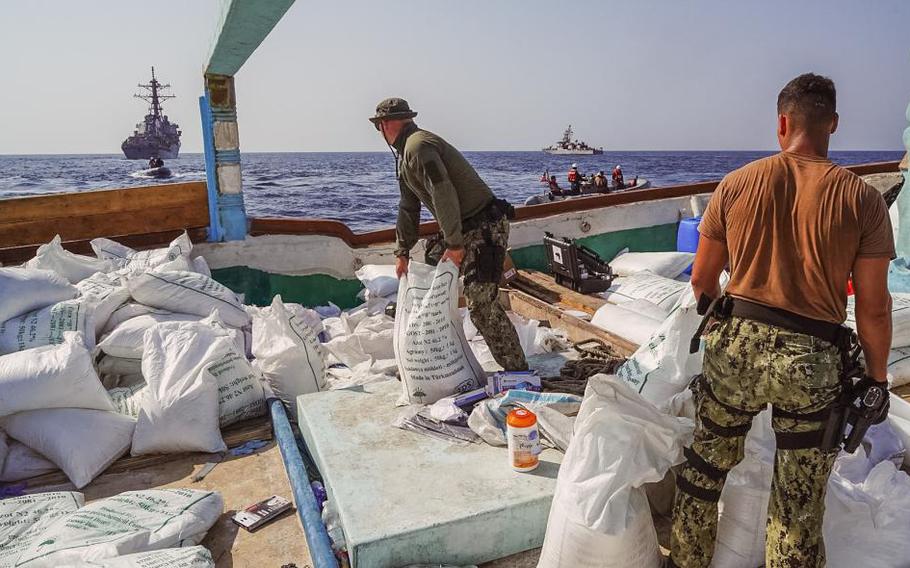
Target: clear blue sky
point(488, 75)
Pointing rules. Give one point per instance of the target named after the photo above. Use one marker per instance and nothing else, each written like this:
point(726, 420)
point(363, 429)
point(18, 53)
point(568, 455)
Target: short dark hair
point(809, 98)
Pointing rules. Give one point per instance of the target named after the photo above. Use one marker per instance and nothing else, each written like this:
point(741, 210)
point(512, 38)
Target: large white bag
point(126, 340)
point(189, 557)
point(135, 521)
point(23, 462)
point(129, 311)
point(128, 400)
point(866, 518)
point(666, 264)
point(240, 394)
point(180, 407)
point(434, 358)
point(743, 506)
point(23, 290)
point(125, 257)
point(108, 292)
point(189, 293)
point(288, 354)
point(73, 267)
point(663, 366)
point(380, 279)
point(664, 292)
point(82, 443)
point(24, 518)
point(635, 321)
point(900, 318)
point(600, 516)
point(47, 326)
point(53, 376)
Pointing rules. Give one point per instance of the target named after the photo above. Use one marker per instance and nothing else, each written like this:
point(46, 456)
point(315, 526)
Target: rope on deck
point(596, 358)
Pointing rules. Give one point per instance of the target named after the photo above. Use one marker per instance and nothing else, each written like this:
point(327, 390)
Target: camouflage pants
point(746, 366)
point(481, 276)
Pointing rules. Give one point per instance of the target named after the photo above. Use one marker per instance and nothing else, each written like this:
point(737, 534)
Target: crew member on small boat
point(554, 187)
point(574, 178)
point(617, 178)
point(155, 162)
point(474, 223)
point(793, 228)
point(600, 181)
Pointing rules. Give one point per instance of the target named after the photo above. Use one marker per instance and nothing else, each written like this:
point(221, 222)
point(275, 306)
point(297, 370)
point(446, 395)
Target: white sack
point(380, 279)
point(664, 292)
point(180, 408)
point(108, 292)
point(128, 400)
point(899, 367)
point(25, 289)
point(123, 524)
point(240, 394)
point(124, 257)
point(666, 264)
point(110, 365)
point(129, 311)
point(24, 518)
point(73, 267)
point(866, 519)
point(189, 557)
point(900, 318)
point(433, 356)
point(600, 516)
point(201, 266)
point(82, 443)
point(899, 419)
point(634, 321)
point(21, 463)
point(288, 354)
point(190, 293)
point(53, 376)
point(662, 366)
point(46, 326)
point(127, 339)
point(743, 506)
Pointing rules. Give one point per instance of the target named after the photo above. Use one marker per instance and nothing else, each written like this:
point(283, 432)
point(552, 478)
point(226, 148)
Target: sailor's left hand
point(456, 255)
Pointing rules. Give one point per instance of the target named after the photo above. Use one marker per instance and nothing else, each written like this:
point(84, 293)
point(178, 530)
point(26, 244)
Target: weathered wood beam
point(243, 25)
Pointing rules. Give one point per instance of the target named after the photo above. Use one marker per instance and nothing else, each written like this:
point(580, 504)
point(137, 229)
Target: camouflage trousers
point(746, 366)
point(485, 248)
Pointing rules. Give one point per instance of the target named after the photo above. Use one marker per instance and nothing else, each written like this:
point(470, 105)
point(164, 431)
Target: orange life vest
point(573, 176)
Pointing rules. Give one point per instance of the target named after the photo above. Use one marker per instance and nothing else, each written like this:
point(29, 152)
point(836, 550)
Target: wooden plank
point(102, 224)
point(67, 205)
point(577, 329)
point(256, 429)
point(565, 296)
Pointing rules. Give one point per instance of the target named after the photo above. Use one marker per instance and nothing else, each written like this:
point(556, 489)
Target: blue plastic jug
point(687, 237)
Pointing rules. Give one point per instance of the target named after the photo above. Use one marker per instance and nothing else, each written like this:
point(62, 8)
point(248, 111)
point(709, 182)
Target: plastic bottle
point(523, 439)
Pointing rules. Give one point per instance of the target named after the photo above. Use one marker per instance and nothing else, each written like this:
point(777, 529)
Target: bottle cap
point(521, 418)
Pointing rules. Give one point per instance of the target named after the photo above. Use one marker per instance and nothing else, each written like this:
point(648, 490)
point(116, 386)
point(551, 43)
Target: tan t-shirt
point(794, 225)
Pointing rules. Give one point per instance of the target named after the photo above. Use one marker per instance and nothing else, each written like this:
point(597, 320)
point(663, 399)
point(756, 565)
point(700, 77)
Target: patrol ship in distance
point(156, 136)
point(567, 146)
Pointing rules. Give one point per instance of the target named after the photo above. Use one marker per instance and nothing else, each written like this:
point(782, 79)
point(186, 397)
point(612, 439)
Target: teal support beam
point(244, 25)
point(903, 203)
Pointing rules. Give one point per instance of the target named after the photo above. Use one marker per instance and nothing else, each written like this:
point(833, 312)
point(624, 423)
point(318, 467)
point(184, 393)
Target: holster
point(488, 261)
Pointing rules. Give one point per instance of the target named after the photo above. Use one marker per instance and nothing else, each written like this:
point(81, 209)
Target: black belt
point(833, 333)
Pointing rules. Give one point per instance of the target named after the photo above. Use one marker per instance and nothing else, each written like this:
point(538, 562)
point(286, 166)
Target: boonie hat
point(392, 109)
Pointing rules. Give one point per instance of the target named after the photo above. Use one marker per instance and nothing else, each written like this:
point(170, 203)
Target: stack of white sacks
point(134, 351)
point(633, 426)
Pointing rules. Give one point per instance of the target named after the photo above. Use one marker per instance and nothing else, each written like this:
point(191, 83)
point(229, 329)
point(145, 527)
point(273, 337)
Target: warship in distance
point(156, 136)
point(567, 146)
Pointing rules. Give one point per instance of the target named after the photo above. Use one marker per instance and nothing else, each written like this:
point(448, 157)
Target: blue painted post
point(208, 148)
point(225, 150)
point(317, 538)
point(903, 202)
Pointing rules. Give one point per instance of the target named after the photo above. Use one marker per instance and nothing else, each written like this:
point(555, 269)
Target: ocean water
point(359, 188)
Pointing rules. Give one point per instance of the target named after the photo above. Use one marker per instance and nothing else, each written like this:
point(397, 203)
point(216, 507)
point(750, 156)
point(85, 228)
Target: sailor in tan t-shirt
point(794, 228)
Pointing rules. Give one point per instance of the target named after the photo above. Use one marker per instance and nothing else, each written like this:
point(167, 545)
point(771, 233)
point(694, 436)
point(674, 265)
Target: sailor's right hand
point(401, 266)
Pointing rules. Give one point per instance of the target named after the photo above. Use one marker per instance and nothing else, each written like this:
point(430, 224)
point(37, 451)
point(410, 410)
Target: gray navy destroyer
point(156, 136)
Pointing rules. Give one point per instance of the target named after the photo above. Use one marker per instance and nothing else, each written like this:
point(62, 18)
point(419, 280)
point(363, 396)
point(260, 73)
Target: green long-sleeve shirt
point(433, 173)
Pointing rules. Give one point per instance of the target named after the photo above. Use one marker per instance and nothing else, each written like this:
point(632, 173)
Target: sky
point(485, 74)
